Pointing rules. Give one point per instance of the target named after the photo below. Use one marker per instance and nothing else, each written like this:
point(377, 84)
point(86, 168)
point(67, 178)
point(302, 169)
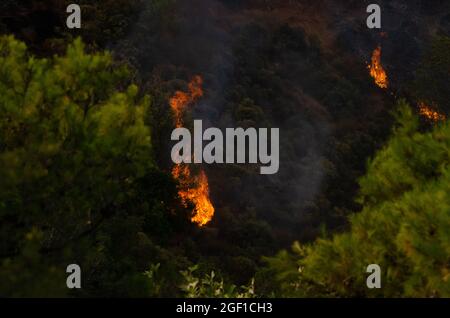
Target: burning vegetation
point(429, 113)
point(193, 188)
point(377, 71)
point(181, 100)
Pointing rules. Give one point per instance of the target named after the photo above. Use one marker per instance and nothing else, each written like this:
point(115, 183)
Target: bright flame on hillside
point(192, 188)
point(376, 69)
point(429, 113)
point(181, 100)
point(195, 189)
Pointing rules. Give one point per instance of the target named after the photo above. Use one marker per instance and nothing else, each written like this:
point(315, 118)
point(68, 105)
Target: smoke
point(208, 38)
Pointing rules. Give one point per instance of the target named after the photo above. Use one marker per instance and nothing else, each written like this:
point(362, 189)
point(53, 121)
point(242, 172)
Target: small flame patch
point(377, 71)
point(429, 113)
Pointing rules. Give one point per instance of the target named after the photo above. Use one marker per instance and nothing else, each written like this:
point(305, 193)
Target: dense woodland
point(85, 170)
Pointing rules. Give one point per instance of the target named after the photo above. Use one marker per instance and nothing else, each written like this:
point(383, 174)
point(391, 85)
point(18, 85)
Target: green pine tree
point(78, 180)
point(404, 226)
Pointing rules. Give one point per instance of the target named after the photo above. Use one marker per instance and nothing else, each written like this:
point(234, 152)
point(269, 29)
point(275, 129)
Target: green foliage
point(210, 286)
point(66, 134)
point(77, 167)
point(44, 280)
point(404, 226)
point(152, 276)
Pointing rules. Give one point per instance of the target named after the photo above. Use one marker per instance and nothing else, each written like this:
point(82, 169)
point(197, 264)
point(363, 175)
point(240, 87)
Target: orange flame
point(376, 69)
point(192, 188)
point(429, 113)
point(181, 100)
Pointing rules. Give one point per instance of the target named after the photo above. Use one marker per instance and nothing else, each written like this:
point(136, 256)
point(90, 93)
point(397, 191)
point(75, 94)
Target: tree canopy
point(77, 172)
point(403, 227)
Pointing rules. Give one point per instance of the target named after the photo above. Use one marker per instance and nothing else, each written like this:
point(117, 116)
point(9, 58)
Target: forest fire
point(377, 71)
point(428, 112)
point(181, 100)
point(192, 188)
